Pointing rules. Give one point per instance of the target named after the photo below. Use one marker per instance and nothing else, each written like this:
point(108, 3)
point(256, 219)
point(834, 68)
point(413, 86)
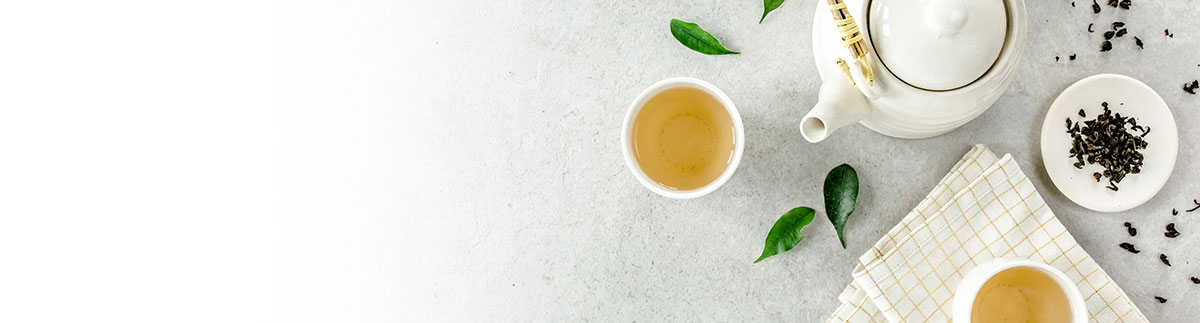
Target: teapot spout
point(838, 104)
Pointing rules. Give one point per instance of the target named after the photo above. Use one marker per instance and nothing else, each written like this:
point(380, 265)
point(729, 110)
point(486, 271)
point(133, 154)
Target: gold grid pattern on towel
point(856, 306)
point(911, 276)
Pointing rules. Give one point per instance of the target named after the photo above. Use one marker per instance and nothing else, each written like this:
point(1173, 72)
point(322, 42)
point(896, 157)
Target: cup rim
point(640, 102)
point(969, 287)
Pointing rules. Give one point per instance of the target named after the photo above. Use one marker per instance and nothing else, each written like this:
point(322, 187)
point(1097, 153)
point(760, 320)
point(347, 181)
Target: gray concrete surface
point(482, 180)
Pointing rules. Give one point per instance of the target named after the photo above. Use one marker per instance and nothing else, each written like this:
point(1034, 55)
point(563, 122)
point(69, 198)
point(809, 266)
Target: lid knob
point(946, 17)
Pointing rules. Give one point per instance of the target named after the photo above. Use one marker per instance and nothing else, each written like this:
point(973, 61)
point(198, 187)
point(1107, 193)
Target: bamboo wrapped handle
point(852, 39)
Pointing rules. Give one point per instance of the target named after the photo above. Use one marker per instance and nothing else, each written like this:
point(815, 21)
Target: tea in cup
point(1017, 290)
point(682, 138)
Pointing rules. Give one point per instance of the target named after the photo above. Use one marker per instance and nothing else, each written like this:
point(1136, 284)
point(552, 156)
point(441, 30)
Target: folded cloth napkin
point(984, 208)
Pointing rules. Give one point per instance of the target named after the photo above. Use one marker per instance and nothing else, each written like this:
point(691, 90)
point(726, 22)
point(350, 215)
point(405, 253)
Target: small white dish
point(675, 83)
point(1126, 96)
point(972, 283)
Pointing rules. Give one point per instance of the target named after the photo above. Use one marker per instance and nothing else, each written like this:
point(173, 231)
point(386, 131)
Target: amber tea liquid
point(1021, 295)
point(683, 138)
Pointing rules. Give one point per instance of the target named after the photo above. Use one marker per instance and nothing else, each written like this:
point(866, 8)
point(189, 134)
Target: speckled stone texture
point(482, 178)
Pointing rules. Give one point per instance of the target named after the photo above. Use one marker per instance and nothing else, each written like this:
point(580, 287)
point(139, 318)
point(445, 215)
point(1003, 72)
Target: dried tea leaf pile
point(1110, 140)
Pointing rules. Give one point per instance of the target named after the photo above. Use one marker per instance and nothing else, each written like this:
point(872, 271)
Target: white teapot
point(919, 68)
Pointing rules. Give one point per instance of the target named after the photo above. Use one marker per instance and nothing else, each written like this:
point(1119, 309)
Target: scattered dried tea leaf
point(1160, 299)
point(1164, 259)
point(1129, 247)
point(1171, 233)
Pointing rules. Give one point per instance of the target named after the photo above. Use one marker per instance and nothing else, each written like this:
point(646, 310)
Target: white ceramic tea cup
point(968, 289)
point(640, 102)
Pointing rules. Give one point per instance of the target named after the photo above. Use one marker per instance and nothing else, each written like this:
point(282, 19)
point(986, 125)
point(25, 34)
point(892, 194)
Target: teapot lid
point(938, 44)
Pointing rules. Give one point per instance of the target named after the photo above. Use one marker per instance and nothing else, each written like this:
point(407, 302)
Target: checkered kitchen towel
point(984, 208)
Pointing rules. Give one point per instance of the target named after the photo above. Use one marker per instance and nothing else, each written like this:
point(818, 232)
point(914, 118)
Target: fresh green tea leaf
point(785, 234)
point(841, 193)
point(692, 36)
point(768, 6)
